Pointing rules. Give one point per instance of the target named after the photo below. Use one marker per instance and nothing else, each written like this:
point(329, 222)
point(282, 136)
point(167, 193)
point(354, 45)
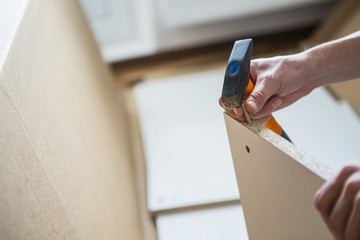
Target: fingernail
point(276, 103)
point(251, 106)
point(237, 113)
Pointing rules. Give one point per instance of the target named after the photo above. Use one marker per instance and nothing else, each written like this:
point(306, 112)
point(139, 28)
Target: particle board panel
point(224, 222)
point(74, 151)
point(178, 141)
point(277, 182)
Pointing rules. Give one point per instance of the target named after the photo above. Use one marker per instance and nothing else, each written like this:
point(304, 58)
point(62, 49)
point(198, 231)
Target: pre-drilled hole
point(247, 148)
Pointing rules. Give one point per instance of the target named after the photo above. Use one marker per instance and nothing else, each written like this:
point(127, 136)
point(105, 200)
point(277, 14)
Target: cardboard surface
point(24, 211)
point(66, 172)
point(277, 183)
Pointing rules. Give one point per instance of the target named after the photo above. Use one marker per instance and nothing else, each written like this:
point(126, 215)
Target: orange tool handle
point(272, 124)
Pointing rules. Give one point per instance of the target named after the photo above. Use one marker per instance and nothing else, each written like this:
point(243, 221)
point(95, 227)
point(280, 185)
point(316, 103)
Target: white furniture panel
point(210, 224)
point(187, 151)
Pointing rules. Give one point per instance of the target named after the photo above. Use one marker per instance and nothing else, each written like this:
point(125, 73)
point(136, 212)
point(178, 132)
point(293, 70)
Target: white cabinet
point(132, 28)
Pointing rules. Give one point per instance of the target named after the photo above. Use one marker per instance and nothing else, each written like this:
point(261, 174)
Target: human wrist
point(309, 65)
point(303, 67)
point(334, 61)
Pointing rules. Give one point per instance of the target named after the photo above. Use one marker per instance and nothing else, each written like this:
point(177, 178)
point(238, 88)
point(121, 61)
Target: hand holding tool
point(238, 85)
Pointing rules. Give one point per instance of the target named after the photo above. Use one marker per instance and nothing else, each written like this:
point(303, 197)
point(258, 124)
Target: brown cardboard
point(23, 210)
point(66, 171)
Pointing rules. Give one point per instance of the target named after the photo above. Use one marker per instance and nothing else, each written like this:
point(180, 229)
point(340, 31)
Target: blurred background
point(169, 57)
point(128, 29)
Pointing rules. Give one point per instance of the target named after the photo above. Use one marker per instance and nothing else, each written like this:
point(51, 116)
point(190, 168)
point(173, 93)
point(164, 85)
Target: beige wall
point(65, 170)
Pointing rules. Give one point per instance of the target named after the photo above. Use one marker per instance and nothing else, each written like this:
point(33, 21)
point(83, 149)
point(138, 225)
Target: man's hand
point(279, 81)
point(338, 202)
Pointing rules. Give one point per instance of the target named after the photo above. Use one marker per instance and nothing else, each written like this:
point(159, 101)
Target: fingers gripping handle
point(271, 124)
point(237, 82)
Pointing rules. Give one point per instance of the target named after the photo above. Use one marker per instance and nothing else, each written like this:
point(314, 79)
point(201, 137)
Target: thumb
point(258, 97)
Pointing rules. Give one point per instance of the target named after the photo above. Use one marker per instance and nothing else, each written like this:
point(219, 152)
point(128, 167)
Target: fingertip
point(326, 198)
point(238, 113)
point(221, 103)
point(317, 199)
point(230, 112)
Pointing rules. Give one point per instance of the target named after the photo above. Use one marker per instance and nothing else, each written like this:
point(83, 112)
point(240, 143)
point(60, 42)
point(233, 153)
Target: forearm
point(282, 80)
point(334, 61)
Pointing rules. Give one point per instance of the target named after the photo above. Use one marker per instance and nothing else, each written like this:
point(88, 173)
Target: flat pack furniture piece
point(277, 182)
point(65, 163)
